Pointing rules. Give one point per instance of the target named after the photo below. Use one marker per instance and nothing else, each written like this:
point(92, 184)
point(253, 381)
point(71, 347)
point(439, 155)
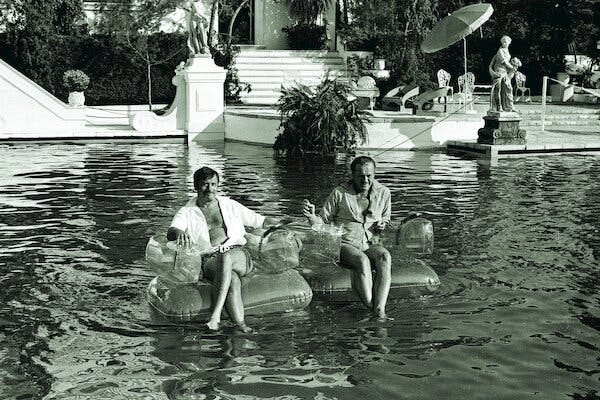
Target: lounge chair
point(425, 100)
point(396, 99)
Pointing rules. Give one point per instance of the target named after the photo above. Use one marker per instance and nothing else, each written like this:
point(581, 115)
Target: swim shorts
point(216, 257)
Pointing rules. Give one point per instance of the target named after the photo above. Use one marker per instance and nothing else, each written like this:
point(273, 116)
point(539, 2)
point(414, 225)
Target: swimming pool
point(517, 248)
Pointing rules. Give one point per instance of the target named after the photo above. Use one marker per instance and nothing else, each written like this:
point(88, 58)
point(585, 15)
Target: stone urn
point(379, 64)
point(76, 99)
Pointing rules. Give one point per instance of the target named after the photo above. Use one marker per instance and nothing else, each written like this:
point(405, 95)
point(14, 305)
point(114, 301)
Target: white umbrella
point(456, 26)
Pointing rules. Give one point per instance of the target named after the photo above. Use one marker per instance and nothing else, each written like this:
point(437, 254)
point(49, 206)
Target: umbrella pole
point(467, 88)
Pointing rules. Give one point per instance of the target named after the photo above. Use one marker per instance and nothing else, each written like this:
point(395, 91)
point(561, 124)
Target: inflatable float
point(289, 272)
point(408, 243)
point(176, 294)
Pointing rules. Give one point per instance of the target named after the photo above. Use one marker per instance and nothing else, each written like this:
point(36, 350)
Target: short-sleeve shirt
point(235, 217)
point(341, 207)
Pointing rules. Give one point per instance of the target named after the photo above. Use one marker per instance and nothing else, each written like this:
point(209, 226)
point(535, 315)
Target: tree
point(31, 26)
point(396, 28)
point(133, 24)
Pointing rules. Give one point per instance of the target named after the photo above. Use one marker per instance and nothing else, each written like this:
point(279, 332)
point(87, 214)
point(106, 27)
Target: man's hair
point(361, 160)
point(203, 174)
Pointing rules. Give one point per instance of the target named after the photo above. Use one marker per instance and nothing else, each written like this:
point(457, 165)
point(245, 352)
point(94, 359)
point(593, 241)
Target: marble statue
point(198, 24)
point(502, 72)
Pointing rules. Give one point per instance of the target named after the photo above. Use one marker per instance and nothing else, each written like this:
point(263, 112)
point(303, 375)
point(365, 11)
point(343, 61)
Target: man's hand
point(222, 248)
point(183, 239)
point(380, 226)
point(308, 210)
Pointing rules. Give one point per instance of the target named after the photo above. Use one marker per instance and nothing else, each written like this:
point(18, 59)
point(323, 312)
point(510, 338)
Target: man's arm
point(270, 221)
point(308, 210)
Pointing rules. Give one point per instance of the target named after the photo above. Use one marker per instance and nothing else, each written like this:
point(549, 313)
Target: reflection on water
point(517, 249)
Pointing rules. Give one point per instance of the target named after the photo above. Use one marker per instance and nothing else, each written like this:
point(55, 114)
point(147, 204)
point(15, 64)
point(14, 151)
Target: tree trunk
point(149, 76)
point(213, 29)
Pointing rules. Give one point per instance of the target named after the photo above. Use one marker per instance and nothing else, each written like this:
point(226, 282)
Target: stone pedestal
point(198, 106)
point(204, 99)
point(502, 128)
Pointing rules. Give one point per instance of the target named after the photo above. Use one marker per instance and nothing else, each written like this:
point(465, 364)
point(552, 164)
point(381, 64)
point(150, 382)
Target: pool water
point(516, 248)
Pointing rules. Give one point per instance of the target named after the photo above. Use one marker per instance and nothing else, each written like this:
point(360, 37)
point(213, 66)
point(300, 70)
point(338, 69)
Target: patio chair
point(444, 77)
point(466, 86)
point(397, 98)
point(366, 89)
point(520, 88)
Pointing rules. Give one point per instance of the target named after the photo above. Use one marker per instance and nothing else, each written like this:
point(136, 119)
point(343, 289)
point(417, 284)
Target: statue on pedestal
point(502, 72)
point(198, 24)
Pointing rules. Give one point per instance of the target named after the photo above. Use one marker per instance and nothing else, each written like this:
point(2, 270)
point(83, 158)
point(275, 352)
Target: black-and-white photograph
point(299, 199)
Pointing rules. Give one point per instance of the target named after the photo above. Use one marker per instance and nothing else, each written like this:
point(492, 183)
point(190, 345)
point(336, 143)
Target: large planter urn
point(379, 63)
point(76, 99)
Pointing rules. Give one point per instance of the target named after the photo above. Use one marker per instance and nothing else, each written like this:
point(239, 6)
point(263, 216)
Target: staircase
point(562, 116)
point(267, 70)
point(27, 108)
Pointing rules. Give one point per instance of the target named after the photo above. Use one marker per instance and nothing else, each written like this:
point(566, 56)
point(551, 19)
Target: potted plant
point(319, 121)
point(76, 81)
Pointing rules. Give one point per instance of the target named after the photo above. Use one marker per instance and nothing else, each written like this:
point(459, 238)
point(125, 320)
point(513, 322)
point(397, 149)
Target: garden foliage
point(320, 120)
point(44, 38)
point(75, 80)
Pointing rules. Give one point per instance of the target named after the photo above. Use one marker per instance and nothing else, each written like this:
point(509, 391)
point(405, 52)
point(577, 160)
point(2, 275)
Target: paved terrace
point(567, 125)
point(569, 128)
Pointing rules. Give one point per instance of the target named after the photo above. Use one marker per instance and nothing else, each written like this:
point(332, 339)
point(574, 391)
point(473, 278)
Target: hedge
point(117, 76)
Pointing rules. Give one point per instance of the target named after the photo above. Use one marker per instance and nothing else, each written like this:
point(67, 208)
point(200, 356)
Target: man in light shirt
point(212, 222)
point(363, 206)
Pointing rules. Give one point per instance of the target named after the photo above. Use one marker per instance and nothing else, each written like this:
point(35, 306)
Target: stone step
point(287, 67)
point(259, 99)
point(267, 70)
point(331, 57)
point(561, 111)
point(281, 76)
point(563, 123)
point(562, 117)
point(288, 53)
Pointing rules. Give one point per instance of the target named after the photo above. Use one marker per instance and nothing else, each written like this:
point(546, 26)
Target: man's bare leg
point(232, 261)
point(382, 262)
point(234, 304)
point(362, 277)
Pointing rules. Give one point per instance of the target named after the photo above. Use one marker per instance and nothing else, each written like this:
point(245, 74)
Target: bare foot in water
point(381, 316)
point(245, 328)
point(213, 324)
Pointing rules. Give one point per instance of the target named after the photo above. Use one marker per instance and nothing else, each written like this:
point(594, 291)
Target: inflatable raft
point(292, 278)
point(408, 243)
point(176, 295)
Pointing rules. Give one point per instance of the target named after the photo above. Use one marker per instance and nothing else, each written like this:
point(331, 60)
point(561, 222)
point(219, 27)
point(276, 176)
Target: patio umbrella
point(456, 26)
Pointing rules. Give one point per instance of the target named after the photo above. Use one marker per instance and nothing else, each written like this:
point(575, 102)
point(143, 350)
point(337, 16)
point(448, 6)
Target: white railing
point(564, 85)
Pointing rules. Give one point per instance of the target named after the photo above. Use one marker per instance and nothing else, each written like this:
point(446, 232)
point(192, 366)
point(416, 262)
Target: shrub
point(224, 56)
point(319, 121)
point(75, 80)
point(306, 36)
